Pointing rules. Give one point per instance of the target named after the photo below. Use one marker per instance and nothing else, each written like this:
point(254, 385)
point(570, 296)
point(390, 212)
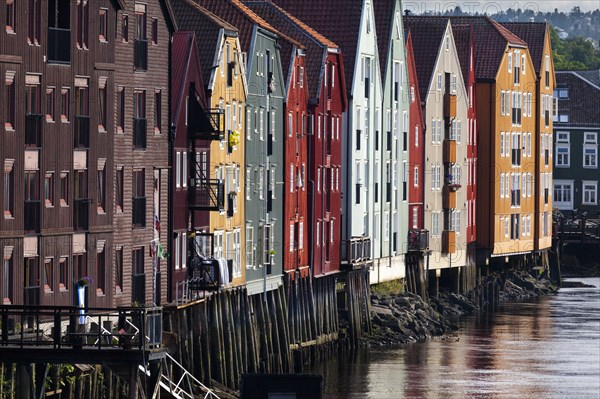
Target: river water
point(547, 348)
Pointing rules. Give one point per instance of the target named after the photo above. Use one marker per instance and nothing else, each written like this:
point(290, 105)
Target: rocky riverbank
point(405, 317)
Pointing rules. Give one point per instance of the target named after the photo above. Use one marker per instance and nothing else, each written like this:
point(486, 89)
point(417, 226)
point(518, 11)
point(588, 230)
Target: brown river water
point(546, 348)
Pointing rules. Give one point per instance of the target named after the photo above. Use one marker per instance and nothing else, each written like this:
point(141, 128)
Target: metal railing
point(57, 327)
point(357, 249)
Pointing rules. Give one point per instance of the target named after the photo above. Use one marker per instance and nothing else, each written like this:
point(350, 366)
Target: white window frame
point(585, 185)
point(559, 160)
point(593, 160)
point(558, 200)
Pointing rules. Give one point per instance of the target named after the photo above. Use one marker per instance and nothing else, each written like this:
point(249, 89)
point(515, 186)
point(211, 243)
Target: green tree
point(573, 54)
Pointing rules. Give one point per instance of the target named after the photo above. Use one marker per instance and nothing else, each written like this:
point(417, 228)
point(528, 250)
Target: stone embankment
point(405, 317)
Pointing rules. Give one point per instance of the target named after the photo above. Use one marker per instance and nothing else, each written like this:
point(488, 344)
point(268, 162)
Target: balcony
point(139, 212)
point(449, 106)
point(449, 151)
point(33, 130)
point(139, 133)
point(449, 196)
point(140, 54)
point(418, 240)
point(448, 242)
point(82, 131)
point(206, 195)
point(32, 216)
point(204, 124)
point(59, 49)
point(81, 214)
point(356, 251)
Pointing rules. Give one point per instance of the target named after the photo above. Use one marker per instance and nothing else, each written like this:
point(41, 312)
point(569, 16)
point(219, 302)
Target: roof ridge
point(301, 25)
point(208, 14)
point(504, 32)
point(257, 19)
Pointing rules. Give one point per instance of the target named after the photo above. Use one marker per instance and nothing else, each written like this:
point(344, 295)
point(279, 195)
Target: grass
point(388, 288)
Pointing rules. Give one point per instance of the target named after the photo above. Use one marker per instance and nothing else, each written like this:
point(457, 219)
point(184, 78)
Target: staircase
point(184, 387)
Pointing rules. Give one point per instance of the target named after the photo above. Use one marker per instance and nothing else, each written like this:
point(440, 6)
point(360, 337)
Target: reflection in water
point(549, 348)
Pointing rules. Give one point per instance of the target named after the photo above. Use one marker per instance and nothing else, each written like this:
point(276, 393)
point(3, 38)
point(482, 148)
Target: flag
point(160, 253)
point(156, 223)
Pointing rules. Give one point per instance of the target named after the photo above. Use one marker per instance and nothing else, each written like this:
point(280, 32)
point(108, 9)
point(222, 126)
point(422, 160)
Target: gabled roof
point(184, 60)
point(316, 45)
point(583, 104)
point(463, 39)
point(339, 20)
point(240, 16)
point(384, 26)
point(534, 34)
point(410, 66)
point(491, 39)
point(192, 17)
point(427, 35)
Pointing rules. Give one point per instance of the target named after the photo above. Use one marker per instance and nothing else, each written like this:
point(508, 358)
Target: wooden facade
point(57, 135)
point(417, 144)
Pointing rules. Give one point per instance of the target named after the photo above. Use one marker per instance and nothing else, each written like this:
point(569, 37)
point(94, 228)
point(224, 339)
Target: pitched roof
point(384, 23)
point(192, 17)
point(583, 104)
point(491, 39)
point(462, 38)
point(316, 45)
point(242, 17)
point(534, 34)
point(183, 56)
point(338, 20)
point(427, 35)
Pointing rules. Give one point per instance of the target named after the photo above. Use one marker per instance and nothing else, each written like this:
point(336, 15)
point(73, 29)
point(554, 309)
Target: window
point(49, 189)
point(154, 31)
point(514, 227)
point(10, 103)
point(6, 294)
point(563, 194)
point(367, 75)
point(48, 275)
point(119, 178)
point(139, 198)
point(515, 190)
point(510, 63)
point(590, 156)
point(184, 169)
point(140, 22)
point(100, 270)
point(547, 71)
point(416, 136)
point(64, 188)
point(368, 12)
point(9, 188)
point(119, 270)
point(177, 251)
point(590, 138)
point(101, 194)
point(65, 106)
point(455, 221)
point(103, 26)
point(397, 82)
point(184, 250)
point(516, 108)
point(63, 274)
point(517, 67)
point(502, 177)
point(157, 111)
point(50, 104)
point(416, 177)
point(590, 192)
point(82, 24)
point(10, 16)
point(435, 224)
point(249, 250)
point(125, 28)
point(562, 155)
point(102, 105)
point(120, 109)
point(516, 149)
point(439, 81)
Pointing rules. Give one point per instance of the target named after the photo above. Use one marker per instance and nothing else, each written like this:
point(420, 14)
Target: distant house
point(576, 135)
